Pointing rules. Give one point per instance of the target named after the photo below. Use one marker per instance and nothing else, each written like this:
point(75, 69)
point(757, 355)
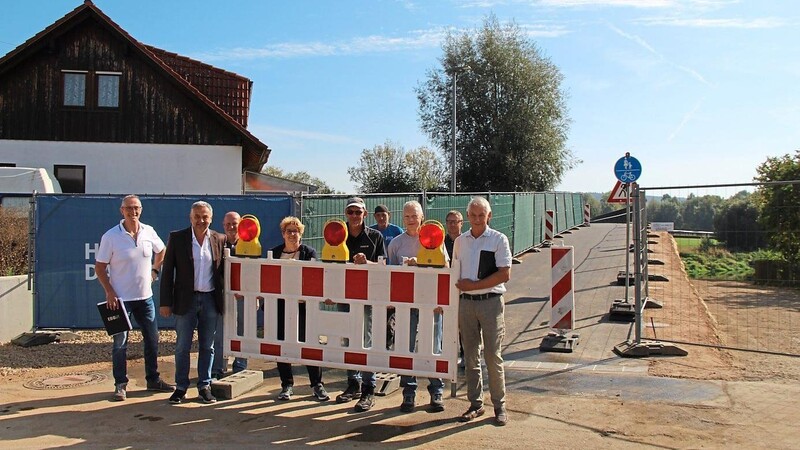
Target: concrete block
point(237, 384)
point(386, 383)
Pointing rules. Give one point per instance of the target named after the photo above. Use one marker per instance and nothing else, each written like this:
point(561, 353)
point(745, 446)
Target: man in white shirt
point(132, 252)
point(485, 259)
point(192, 288)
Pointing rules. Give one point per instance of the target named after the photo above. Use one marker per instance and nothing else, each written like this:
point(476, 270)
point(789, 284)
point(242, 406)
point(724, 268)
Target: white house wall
point(113, 168)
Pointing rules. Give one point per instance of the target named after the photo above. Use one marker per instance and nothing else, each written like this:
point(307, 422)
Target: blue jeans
point(409, 383)
point(144, 312)
point(202, 314)
point(239, 364)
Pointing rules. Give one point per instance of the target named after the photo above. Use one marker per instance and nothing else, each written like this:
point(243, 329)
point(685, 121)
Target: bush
point(13, 242)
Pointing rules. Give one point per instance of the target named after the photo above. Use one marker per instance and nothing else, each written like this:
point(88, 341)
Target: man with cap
point(365, 246)
point(388, 230)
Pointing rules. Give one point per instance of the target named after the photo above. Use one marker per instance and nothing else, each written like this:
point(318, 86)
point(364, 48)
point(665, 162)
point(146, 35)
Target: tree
point(698, 212)
point(511, 115)
point(389, 168)
point(428, 170)
point(736, 223)
point(668, 209)
point(382, 169)
point(778, 209)
point(301, 177)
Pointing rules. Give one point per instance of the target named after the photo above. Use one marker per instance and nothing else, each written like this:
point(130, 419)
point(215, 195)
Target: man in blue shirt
point(388, 230)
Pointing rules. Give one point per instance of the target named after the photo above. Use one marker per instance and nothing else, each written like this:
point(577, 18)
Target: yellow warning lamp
point(431, 237)
point(249, 230)
point(335, 234)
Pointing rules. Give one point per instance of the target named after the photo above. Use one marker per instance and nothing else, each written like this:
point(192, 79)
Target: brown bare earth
point(756, 406)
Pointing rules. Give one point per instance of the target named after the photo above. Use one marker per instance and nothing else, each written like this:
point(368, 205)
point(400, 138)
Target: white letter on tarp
point(91, 250)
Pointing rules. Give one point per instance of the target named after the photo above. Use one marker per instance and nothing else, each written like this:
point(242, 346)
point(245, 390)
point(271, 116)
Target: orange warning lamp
point(249, 230)
point(431, 238)
point(335, 234)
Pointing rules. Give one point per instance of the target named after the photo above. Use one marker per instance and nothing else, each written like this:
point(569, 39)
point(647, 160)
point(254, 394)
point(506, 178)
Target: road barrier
point(548, 228)
point(587, 215)
point(335, 315)
point(562, 337)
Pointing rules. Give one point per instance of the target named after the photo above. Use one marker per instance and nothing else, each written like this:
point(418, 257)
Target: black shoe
point(177, 397)
point(471, 414)
point(366, 403)
point(205, 395)
point(352, 392)
point(408, 404)
point(160, 386)
point(436, 405)
point(286, 393)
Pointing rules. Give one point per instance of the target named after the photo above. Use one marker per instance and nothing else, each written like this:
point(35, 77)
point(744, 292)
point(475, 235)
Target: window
point(74, 88)
point(2, 164)
point(108, 89)
point(91, 89)
point(71, 178)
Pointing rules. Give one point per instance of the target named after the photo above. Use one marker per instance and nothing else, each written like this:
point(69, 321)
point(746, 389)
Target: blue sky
point(700, 91)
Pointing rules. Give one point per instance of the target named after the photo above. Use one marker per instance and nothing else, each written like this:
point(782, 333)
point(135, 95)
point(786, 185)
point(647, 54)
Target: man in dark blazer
point(192, 288)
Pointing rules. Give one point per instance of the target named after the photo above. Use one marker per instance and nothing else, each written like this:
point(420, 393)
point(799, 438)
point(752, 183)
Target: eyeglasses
point(291, 231)
point(132, 208)
point(354, 212)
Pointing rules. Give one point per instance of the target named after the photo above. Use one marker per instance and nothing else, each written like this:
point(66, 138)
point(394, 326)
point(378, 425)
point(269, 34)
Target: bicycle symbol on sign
point(627, 177)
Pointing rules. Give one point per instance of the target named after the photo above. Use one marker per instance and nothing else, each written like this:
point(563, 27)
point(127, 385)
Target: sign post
point(627, 170)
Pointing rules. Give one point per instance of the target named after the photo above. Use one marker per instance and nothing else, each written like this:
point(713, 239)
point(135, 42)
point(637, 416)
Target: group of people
point(132, 256)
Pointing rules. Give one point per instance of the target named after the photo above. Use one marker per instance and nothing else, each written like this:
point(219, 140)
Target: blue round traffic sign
point(628, 169)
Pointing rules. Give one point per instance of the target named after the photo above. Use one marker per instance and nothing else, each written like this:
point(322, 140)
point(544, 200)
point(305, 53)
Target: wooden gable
point(155, 103)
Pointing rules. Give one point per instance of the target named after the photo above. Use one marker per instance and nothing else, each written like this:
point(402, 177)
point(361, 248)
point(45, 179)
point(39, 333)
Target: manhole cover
point(67, 381)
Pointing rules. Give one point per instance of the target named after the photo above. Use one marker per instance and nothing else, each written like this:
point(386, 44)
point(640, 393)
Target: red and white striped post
point(562, 302)
point(587, 213)
point(548, 228)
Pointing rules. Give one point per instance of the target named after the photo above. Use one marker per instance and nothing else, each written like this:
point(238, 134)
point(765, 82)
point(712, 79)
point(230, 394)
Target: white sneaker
point(119, 392)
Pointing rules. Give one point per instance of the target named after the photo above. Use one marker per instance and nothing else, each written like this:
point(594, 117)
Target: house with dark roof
point(105, 113)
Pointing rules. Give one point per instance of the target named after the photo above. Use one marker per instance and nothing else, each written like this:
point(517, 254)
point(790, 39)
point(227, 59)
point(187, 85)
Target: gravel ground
point(92, 347)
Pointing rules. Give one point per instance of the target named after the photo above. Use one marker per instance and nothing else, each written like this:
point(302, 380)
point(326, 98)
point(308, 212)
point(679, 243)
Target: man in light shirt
point(485, 268)
point(192, 288)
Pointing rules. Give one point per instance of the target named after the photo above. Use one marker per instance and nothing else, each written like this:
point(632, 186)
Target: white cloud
point(612, 3)
point(686, 118)
point(416, 39)
point(269, 133)
point(358, 45)
point(765, 22)
point(645, 45)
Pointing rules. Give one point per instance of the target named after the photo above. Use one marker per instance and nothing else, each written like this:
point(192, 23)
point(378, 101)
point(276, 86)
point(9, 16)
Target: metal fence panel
point(569, 211)
point(560, 214)
point(539, 208)
point(438, 204)
point(524, 222)
point(727, 289)
point(503, 215)
point(68, 232)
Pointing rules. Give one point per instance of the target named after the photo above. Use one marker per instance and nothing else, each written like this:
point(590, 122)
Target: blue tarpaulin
point(68, 232)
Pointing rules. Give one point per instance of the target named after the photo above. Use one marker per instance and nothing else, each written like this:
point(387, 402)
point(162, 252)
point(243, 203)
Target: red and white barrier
point(587, 212)
point(335, 329)
point(562, 292)
point(548, 227)
point(562, 337)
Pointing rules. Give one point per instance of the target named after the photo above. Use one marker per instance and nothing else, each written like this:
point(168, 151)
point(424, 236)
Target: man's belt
point(480, 296)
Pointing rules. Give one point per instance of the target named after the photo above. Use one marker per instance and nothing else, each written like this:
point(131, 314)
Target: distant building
point(105, 113)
